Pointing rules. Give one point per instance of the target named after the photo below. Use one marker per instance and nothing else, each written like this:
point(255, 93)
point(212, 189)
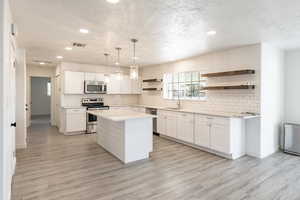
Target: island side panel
point(110, 135)
point(138, 139)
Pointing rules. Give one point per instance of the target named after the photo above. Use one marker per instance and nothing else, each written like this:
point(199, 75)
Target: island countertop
point(120, 115)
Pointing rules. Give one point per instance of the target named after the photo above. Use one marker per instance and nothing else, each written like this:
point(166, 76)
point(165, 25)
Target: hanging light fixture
point(118, 58)
point(134, 68)
point(106, 76)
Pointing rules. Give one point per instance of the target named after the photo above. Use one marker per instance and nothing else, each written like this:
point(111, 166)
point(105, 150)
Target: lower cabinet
point(185, 127)
point(225, 136)
point(74, 121)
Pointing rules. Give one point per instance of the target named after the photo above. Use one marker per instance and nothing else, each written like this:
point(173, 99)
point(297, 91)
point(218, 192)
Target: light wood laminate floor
point(61, 167)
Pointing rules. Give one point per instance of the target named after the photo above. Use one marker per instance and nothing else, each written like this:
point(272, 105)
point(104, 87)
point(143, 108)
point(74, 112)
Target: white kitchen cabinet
point(185, 127)
point(171, 124)
point(73, 82)
point(122, 84)
point(125, 87)
point(220, 138)
point(161, 122)
point(74, 121)
point(136, 87)
point(89, 76)
point(202, 132)
point(114, 84)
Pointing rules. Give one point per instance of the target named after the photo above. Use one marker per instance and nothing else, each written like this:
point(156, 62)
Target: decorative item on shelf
point(134, 68)
point(229, 73)
point(118, 56)
point(229, 87)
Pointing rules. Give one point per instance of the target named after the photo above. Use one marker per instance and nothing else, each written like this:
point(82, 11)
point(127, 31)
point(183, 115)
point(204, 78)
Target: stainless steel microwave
point(95, 87)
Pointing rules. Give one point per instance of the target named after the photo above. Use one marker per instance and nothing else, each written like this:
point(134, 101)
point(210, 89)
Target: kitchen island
point(128, 135)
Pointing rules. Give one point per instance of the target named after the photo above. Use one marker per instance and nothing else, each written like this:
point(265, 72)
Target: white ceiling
point(167, 29)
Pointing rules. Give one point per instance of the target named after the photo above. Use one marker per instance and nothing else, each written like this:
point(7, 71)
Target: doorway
point(40, 100)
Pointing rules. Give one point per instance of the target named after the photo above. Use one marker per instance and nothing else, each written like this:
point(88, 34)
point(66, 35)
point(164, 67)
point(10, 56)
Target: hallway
point(59, 167)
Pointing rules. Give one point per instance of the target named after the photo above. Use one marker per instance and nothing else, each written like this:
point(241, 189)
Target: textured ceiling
point(167, 29)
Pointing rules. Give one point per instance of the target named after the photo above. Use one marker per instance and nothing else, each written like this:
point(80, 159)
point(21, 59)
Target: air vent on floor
point(80, 45)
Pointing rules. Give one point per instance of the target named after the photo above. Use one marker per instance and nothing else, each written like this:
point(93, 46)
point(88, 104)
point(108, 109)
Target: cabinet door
point(99, 77)
point(125, 85)
point(75, 120)
point(171, 126)
point(161, 123)
point(113, 86)
point(90, 76)
point(202, 133)
point(136, 87)
point(220, 138)
point(185, 127)
point(73, 82)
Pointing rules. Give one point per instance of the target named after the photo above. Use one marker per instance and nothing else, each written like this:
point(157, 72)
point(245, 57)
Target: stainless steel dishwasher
point(153, 111)
point(291, 141)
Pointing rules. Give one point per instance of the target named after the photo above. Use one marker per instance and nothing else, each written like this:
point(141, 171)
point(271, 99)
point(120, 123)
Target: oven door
point(91, 119)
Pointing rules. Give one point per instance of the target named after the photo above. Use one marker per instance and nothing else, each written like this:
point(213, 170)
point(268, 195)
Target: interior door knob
point(14, 124)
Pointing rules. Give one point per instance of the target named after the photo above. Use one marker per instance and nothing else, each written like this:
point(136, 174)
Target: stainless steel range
point(91, 120)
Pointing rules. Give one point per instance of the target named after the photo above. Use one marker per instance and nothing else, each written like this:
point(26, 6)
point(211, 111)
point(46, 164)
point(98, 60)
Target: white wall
point(21, 130)
point(292, 86)
point(41, 102)
point(75, 100)
point(247, 57)
point(272, 98)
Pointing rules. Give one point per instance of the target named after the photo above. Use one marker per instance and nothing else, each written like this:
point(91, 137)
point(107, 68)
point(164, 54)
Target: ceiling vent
point(79, 45)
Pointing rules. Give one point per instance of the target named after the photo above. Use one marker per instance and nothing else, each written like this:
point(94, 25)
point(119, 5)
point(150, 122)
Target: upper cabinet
point(122, 84)
point(117, 84)
point(94, 76)
point(73, 82)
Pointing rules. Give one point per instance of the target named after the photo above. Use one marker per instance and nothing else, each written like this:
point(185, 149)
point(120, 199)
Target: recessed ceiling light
point(135, 58)
point(42, 63)
point(211, 32)
point(59, 57)
point(117, 63)
point(82, 30)
point(113, 1)
point(68, 48)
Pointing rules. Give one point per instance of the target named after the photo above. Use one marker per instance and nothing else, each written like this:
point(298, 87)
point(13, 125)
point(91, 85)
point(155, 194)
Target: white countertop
point(73, 107)
point(120, 115)
point(212, 113)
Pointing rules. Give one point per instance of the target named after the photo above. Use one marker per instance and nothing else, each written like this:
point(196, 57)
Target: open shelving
point(229, 73)
point(229, 87)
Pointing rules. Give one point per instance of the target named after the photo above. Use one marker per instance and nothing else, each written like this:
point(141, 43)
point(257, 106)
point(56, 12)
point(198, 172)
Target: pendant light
point(106, 76)
point(118, 58)
point(134, 68)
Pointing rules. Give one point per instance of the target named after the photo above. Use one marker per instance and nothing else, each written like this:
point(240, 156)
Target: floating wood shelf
point(230, 73)
point(229, 87)
point(152, 89)
point(152, 80)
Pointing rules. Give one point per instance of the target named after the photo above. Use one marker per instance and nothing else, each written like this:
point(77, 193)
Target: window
point(48, 88)
point(184, 85)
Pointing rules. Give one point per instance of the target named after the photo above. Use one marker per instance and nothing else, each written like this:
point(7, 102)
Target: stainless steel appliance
point(91, 120)
point(153, 111)
point(95, 87)
point(291, 142)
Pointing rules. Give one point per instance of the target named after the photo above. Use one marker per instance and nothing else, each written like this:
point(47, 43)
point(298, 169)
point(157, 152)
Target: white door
point(28, 101)
point(12, 100)
point(57, 101)
point(202, 133)
point(220, 138)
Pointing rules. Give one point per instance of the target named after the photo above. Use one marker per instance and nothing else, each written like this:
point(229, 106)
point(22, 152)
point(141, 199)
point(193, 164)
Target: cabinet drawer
point(75, 111)
point(221, 121)
point(186, 116)
point(203, 118)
